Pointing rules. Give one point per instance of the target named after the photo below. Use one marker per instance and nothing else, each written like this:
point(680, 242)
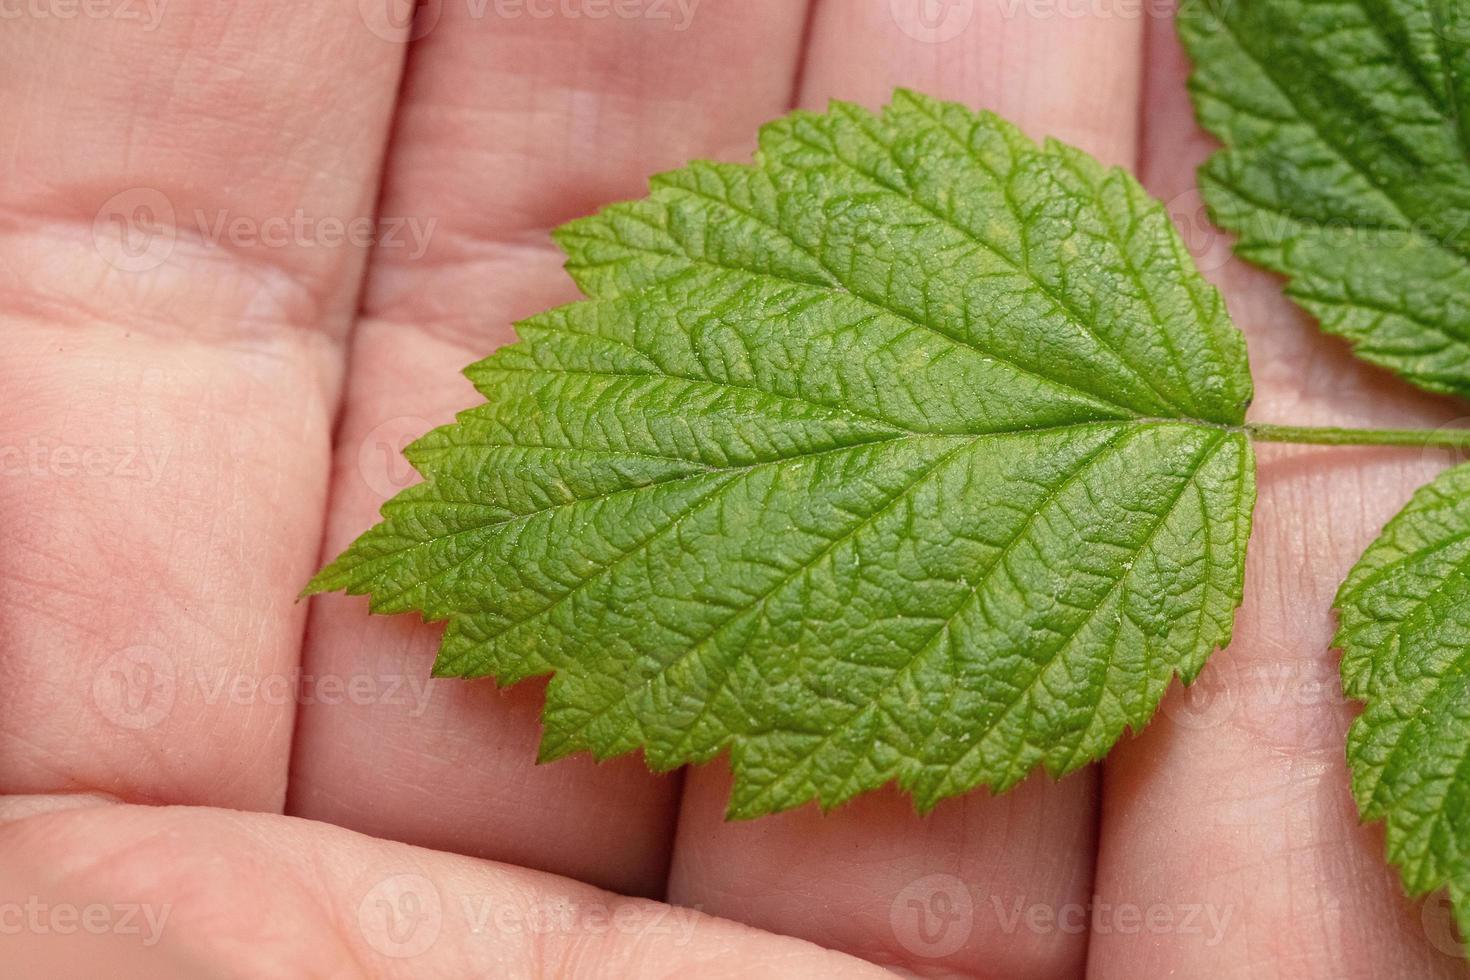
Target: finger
point(1074, 78)
point(188, 892)
point(1230, 844)
point(512, 122)
point(176, 181)
point(954, 891)
point(951, 893)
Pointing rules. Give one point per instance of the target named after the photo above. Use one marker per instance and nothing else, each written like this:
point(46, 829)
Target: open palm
point(245, 250)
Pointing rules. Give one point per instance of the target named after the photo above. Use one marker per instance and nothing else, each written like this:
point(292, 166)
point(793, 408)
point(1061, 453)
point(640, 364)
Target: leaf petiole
point(1309, 435)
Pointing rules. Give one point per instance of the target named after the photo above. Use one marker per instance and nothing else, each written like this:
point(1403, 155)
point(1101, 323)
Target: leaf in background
point(911, 452)
point(1405, 635)
point(1347, 164)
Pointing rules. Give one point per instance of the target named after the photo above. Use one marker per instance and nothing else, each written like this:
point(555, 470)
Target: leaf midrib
point(738, 472)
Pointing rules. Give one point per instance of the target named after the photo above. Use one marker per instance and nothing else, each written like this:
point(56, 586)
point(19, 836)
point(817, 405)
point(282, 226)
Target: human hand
point(206, 388)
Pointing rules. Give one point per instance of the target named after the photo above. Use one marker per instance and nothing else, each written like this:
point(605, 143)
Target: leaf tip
point(322, 581)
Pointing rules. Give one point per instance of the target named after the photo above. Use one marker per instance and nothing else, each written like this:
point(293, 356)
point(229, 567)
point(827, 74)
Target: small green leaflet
point(912, 452)
point(1347, 164)
point(1405, 635)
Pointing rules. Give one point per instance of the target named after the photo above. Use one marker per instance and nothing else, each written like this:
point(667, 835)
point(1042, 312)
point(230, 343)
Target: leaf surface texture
point(910, 452)
point(1347, 164)
point(1404, 615)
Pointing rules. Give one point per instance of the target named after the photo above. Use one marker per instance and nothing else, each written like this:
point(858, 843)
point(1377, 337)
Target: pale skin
point(256, 382)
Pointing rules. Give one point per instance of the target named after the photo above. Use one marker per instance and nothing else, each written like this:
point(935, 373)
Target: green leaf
point(912, 452)
point(1404, 615)
point(1347, 164)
